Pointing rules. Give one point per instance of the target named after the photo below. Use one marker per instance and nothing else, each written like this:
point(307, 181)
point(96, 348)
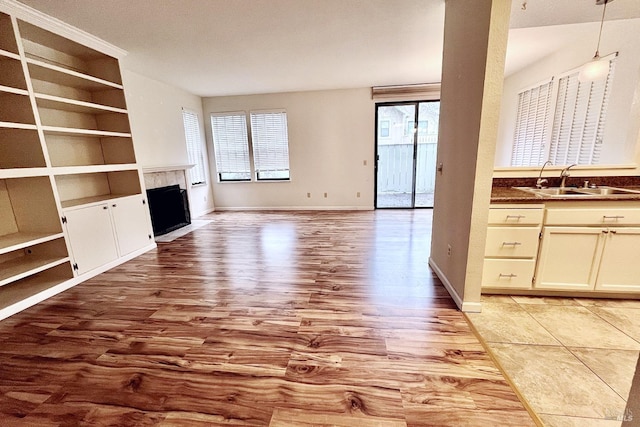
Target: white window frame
point(196, 152)
point(224, 163)
point(261, 154)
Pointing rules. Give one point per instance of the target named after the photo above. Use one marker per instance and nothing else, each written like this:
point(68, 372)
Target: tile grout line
point(614, 326)
point(534, 416)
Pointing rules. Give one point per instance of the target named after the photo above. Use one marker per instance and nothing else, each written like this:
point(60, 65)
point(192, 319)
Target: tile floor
point(573, 360)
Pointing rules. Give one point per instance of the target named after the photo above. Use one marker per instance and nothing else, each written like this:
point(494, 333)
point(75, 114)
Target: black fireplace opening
point(169, 207)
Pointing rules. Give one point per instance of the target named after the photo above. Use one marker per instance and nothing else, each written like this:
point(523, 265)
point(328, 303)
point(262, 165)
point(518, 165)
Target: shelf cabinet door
point(131, 224)
point(569, 258)
point(91, 236)
point(619, 267)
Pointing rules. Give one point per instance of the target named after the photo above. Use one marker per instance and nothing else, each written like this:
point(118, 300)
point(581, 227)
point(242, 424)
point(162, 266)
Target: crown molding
point(42, 20)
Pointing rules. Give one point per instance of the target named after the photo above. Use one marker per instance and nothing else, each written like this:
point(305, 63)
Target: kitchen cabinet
point(511, 246)
point(590, 249)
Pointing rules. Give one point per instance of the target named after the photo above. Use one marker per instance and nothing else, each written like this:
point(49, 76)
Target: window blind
point(580, 115)
point(231, 146)
point(532, 123)
point(270, 144)
point(194, 147)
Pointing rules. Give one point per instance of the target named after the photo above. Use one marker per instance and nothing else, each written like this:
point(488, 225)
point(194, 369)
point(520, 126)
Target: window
point(194, 147)
point(532, 118)
point(580, 117)
point(231, 146)
point(270, 145)
point(384, 129)
point(575, 130)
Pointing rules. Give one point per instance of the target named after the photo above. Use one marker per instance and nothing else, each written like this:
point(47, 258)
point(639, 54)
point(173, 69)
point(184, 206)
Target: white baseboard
point(295, 208)
point(468, 307)
point(68, 284)
point(199, 214)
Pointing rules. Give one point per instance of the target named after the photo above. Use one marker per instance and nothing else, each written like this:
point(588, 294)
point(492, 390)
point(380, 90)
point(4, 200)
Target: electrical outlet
point(308, 195)
point(448, 250)
point(358, 194)
point(325, 195)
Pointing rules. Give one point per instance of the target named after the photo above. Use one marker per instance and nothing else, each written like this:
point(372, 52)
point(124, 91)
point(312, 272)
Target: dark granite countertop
point(513, 195)
point(503, 190)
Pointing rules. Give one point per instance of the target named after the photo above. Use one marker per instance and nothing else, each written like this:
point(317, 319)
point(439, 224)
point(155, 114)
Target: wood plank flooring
point(259, 319)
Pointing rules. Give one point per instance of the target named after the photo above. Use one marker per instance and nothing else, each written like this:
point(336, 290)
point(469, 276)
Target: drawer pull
point(613, 217)
point(511, 243)
point(509, 276)
point(516, 217)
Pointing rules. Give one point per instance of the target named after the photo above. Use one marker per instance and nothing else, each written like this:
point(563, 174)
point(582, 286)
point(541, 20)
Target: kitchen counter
point(513, 195)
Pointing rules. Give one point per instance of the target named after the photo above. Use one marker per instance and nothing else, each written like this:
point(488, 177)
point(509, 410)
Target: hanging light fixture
point(597, 68)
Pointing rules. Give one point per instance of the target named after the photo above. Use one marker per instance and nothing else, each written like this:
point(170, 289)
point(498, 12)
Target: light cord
point(604, 10)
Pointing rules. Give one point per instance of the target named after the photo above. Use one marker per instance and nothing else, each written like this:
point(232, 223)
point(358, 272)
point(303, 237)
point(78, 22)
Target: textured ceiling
point(224, 47)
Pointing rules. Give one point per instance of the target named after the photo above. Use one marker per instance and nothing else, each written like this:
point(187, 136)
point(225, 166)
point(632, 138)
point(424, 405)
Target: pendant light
point(596, 69)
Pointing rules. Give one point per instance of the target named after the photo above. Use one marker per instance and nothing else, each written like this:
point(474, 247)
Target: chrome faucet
point(564, 174)
point(541, 180)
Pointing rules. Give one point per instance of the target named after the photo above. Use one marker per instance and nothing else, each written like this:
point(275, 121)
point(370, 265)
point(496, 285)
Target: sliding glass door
point(406, 146)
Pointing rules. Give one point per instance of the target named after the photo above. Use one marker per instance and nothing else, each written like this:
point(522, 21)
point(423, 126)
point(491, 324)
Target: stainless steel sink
point(607, 191)
point(579, 193)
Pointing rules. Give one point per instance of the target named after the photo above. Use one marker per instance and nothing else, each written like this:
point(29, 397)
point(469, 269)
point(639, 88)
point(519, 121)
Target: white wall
point(472, 77)
point(331, 135)
point(155, 111)
point(623, 117)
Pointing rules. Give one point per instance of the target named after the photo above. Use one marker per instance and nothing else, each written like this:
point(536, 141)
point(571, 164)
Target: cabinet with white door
point(590, 247)
point(103, 232)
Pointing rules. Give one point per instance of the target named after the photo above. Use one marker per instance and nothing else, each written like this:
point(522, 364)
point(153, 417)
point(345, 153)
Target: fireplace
point(169, 207)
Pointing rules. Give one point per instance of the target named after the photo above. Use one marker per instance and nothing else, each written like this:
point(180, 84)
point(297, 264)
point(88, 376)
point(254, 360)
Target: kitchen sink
point(579, 193)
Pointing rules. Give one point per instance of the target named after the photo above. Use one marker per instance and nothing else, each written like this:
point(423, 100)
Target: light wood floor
point(280, 319)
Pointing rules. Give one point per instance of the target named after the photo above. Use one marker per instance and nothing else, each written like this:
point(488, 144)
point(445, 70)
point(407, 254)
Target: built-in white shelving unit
point(67, 163)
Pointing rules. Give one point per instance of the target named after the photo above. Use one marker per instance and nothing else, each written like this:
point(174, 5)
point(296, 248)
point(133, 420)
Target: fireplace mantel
point(153, 169)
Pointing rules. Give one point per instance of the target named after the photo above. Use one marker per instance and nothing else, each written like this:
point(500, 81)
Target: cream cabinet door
point(569, 258)
point(91, 237)
point(620, 265)
point(131, 224)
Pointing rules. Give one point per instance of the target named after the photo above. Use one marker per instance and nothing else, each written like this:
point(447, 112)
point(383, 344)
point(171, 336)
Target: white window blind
point(270, 141)
point(195, 153)
point(532, 124)
point(578, 127)
point(231, 146)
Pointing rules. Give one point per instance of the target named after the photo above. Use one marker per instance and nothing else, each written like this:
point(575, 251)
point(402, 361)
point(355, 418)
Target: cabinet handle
point(511, 243)
point(105, 207)
point(613, 231)
point(516, 217)
point(114, 205)
point(509, 276)
point(614, 217)
point(605, 231)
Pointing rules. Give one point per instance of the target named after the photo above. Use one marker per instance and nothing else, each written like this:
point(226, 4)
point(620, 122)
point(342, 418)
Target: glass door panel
point(427, 147)
point(395, 155)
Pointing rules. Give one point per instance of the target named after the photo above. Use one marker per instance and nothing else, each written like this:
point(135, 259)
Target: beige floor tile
point(603, 302)
point(555, 382)
point(625, 319)
point(615, 367)
point(579, 327)
point(544, 300)
point(505, 299)
point(562, 421)
point(509, 323)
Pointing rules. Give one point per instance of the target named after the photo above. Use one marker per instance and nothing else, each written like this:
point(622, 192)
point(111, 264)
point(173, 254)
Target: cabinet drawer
point(508, 273)
point(604, 216)
point(512, 242)
point(515, 216)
